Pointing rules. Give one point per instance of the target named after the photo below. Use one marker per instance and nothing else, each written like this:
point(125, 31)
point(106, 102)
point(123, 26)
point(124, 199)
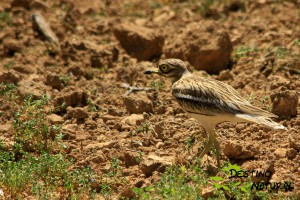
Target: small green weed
point(144, 128)
point(243, 51)
point(5, 20)
point(9, 65)
point(205, 7)
point(281, 52)
point(157, 85)
point(65, 79)
point(92, 106)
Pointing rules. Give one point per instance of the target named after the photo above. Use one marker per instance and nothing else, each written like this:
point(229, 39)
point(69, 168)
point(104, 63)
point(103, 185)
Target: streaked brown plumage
point(210, 101)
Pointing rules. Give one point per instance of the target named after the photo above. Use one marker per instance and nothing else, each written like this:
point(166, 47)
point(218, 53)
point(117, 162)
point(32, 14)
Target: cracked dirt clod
point(204, 45)
point(155, 163)
point(9, 77)
point(55, 119)
point(54, 81)
point(71, 98)
point(133, 119)
point(284, 103)
point(139, 42)
point(234, 150)
point(138, 103)
point(78, 113)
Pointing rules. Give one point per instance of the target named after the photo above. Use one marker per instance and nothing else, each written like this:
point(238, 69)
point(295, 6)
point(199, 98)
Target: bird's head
point(170, 68)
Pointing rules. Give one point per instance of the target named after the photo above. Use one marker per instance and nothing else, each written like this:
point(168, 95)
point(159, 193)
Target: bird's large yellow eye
point(164, 68)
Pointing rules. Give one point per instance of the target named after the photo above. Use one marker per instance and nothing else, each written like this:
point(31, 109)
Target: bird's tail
point(261, 120)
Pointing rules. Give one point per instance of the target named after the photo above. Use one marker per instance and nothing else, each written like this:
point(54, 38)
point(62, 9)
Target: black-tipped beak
point(151, 71)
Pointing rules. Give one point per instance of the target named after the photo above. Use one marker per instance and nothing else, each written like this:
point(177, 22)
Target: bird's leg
point(207, 146)
point(216, 144)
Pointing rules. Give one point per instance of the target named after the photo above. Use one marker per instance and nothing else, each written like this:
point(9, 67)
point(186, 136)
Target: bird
point(210, 101)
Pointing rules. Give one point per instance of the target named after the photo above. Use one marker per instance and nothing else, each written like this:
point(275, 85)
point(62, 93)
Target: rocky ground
point(81, 55)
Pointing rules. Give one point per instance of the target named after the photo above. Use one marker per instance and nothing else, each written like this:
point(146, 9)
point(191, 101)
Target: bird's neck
point(185, 73)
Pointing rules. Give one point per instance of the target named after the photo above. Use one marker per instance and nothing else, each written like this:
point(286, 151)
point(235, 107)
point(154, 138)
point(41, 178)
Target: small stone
point(159, 145)
point(39, 5)
point(88, 8)
point(158, 128)
point(128, 193)
point(207, 192)
point(90, 124)
point(239, 127)
point(71, 98)
point(78, 113)
point(294, 141)
point(10, 46)
point(31, 86)
point(99, 158)
point(155, 163)
point(131, 159)
point(70, 131)
point(54, 81)
point(291, 153)
point(280, 152)
point(9, 77)
point(138, 103)
point(118, 126)
point(134, 119)
point(225, 75)
point(104, 57)
point(76, 71)
point(284, 103)
point(4, 128)
point(55, 119)
point(23, 3)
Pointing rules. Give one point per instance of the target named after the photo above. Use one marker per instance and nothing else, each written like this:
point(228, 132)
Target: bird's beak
point(156, 71)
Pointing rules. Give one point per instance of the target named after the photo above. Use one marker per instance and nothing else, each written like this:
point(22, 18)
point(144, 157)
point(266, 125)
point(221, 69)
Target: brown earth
point(106, 43)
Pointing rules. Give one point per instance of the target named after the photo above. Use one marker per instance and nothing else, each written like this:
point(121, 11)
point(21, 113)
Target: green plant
point(105, 69)
point(144, 128)
point(157, 85)
point(281, 52)
point(65, 79)
point(231, 185)
point(31, 130)
point(189, 142)
point(92, 106)
point(5, 20)
point(251, 97)
point(9, 65)
point(265, 101)
point(205, 6)
point(243, 51)
point(114, 167)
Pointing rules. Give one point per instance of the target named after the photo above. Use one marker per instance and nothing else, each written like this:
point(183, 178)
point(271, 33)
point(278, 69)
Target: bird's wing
point(209, 96)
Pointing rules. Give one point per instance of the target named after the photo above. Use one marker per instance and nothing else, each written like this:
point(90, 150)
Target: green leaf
point(243, 189)
point(235, 167)
point(217, 185)
point(147, 189)
point(238, 183)
point(225, 187)
point(216, 178)
point(137, 190)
